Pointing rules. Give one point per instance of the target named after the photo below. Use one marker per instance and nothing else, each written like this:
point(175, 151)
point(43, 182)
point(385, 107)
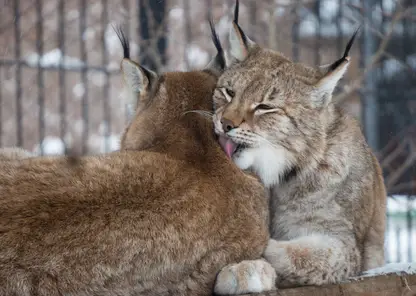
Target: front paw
point(252, 276)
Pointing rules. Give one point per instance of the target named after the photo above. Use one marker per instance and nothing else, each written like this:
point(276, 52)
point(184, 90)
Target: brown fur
point(160, 217)
point(328, 200)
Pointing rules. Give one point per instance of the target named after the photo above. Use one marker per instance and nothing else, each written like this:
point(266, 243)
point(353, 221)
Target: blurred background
point(61, 91)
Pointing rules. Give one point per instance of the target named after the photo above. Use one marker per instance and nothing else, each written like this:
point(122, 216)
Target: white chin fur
point(269, 163)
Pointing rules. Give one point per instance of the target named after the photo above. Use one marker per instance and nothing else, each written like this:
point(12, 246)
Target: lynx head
point(271, 113)
point(163, 100)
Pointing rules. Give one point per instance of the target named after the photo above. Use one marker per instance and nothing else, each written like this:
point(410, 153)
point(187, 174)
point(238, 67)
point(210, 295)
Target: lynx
point(160, 217)
point(276, 119)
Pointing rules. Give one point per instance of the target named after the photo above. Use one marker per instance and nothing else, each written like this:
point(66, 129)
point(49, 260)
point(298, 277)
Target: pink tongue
point(228, 146)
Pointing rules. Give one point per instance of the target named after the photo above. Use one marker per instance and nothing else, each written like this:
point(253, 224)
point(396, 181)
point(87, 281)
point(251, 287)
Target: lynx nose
point(227, 125)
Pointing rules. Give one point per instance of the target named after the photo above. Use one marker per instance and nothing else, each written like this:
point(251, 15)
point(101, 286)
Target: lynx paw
point(245, 277)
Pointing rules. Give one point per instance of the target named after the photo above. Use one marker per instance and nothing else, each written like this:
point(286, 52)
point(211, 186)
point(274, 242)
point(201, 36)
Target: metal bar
point(409, 229)
point(139, 27)
point(253, 18)
point(62, 72)
point(83, 50)
point(404, 52)
point(68, 68)
point(17, 53)
point(187, 31)
point(368, 97)
point(1, 110)
point(209, 15)
point(151, 18)
point(40, 78)
point(387, 255)
point(398, 253)
point(126, 6)
point(106, 87)
point(318, 32)
point(295, 33)
point(21, 14)
point(340, 34)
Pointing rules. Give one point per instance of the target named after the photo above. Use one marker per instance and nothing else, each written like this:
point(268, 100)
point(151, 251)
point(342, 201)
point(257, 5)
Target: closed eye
point(264, 107)
point(228, 93)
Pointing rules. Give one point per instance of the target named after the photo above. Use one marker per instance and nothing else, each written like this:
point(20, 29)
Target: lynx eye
point(264, 107)
point(230, 92)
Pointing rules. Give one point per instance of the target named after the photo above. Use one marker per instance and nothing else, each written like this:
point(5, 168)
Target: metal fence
point(61, 90)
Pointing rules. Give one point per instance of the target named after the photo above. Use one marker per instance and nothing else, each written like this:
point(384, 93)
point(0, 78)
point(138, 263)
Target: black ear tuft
point(124, 41)
point(346, 52)
point(350, 43)
point(220, 58)
point(236, 11)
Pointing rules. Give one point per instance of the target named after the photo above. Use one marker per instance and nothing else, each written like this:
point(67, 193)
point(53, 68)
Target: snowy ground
point(397, 268)
point(400, 240)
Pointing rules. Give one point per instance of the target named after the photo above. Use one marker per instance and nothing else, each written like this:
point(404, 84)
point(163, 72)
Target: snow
point(96, 8)
point(397, 268)
point(396, 241)
point(89, 33)
point(176, 14)
point(411, 61)
point(283, 2)
point(98, 143)
point(328, 9)
point(53, 58)
point(307, 27)
point(113, 45)
point(391, 67)
point(114, 66)
point(72, 15)
point(328, 27)
point(400, 204)
point(223, 26)
point(97, 78)
point(279, 11)
point(388, 5)
point(197, 57)
point(398, 234)
point(111, 40)
point(51, 146)
point(78, 90)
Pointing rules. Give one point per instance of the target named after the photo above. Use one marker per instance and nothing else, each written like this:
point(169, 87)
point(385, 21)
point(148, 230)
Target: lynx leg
point(250, 276)
point(312, 260)
point(373, 250)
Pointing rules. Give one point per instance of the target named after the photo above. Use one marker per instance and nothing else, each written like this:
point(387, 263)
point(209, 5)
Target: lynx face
point(267, 108)
point(270, 110)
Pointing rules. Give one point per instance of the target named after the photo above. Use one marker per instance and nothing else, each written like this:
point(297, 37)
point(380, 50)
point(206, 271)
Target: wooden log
point(381, 285)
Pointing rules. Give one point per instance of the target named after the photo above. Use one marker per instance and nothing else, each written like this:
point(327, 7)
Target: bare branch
point(357, 83)
point(395, 176)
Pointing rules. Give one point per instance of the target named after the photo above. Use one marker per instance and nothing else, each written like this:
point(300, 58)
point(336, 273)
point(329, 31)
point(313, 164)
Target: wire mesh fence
point(61, 90)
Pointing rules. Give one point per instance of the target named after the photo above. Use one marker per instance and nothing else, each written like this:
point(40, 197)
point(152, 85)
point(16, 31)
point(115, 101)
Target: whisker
point(204, 113)
point(266, 141)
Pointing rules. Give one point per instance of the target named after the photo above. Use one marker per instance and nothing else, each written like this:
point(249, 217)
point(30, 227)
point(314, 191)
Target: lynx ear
point(136, 77)
point(334, 72)
point(240, 44)
point(218, 63)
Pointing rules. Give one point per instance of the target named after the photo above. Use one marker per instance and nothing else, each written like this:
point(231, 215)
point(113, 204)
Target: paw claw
point(245, 277)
